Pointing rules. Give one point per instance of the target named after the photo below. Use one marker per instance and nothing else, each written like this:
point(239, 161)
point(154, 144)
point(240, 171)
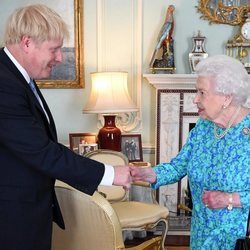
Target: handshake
point(132, 174)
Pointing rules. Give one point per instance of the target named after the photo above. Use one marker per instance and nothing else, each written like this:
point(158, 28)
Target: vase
point(109, 136)
point(198, 53)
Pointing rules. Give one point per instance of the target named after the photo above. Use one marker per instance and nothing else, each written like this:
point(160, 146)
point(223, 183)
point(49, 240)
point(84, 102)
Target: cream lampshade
point(109, 96)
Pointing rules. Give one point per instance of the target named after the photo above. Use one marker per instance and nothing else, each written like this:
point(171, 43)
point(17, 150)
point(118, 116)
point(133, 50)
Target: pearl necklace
point(230, 123)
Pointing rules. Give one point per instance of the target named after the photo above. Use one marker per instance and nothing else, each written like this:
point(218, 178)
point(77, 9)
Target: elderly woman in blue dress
point(216, 156)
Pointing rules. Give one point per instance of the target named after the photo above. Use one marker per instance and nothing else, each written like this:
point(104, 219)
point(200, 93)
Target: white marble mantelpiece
point(175, 81)
point(172, 81)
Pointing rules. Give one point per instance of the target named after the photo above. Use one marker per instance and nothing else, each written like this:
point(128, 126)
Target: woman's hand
point(142, 174)
point(219, 199)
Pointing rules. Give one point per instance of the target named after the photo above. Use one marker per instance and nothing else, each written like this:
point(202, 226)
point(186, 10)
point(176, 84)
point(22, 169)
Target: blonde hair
point(37, 21)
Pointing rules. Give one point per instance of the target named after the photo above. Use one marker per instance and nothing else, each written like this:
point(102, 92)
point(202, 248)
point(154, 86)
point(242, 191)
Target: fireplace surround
point(175, 116)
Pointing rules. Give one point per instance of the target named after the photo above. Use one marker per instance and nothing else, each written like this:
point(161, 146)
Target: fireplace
point(176, 115)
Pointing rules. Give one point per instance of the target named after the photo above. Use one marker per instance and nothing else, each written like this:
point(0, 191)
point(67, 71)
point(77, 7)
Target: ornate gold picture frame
point(215, 11)
point(70, 73)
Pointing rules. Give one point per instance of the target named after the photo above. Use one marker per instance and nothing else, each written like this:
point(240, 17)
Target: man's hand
point(122, 176)
point(143, 174)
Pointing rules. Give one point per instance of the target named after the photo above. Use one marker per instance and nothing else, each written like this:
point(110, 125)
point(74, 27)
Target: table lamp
point(109, 96)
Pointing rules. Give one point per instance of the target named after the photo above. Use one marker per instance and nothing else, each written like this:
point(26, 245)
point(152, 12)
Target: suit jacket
point(30, 161)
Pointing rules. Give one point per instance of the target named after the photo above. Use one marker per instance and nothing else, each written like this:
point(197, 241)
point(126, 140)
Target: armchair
point(106, 156)
point(132, 215)
point(91, 224)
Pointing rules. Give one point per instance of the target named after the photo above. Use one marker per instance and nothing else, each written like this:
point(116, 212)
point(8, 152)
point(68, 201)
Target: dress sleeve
point(245, 199)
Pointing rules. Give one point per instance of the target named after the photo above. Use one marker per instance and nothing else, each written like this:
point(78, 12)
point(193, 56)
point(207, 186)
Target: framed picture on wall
point(132, 147)
point(83, 139)
point(69, 73)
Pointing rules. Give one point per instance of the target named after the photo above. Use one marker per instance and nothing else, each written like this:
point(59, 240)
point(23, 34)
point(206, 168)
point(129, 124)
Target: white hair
point(229, 76)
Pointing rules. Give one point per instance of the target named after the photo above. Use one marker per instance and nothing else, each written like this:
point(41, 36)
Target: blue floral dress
point(213, 164)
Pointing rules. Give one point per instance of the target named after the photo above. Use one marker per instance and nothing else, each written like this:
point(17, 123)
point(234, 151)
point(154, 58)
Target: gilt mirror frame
point(69, 73)
point(217, 12)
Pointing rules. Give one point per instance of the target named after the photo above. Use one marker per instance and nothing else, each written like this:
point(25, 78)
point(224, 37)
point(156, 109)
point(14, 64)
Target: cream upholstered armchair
point(132, 215)
point(91, 224)
point(111, 193)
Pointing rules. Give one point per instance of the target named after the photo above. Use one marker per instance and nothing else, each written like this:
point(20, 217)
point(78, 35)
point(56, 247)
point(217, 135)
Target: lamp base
point(109, 136)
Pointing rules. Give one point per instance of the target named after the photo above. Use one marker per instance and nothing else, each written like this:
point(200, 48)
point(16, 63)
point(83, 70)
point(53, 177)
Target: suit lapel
point(5, 60)
point(47, 110)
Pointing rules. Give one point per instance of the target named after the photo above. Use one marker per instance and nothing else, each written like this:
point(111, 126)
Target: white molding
point(100, 30)
point(148, 149)
point(175, 81)
point(171, 81)
point(129, 122)
point(136, 62)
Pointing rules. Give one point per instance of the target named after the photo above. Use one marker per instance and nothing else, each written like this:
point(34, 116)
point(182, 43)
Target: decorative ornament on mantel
point(198, 53)
point(239, 46)
point(162, 60)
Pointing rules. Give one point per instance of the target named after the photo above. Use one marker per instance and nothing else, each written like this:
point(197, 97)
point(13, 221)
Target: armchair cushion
point(134, 214)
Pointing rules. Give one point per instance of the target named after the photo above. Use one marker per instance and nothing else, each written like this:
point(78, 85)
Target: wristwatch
point(230, 201)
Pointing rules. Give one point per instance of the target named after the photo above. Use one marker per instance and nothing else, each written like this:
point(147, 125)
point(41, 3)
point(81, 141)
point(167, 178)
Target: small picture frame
point(132, 147)
point(77, 139)
point(86, 148)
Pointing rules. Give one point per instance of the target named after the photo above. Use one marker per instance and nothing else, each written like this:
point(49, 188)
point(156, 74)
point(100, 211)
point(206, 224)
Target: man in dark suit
point(30, 156)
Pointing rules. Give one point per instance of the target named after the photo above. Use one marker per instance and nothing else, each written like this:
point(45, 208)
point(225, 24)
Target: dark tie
point(33, 88)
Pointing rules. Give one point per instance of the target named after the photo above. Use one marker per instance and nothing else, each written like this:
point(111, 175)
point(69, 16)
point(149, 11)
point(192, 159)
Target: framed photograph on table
point(83, 139)
point(132, 147)
point(86, 148)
